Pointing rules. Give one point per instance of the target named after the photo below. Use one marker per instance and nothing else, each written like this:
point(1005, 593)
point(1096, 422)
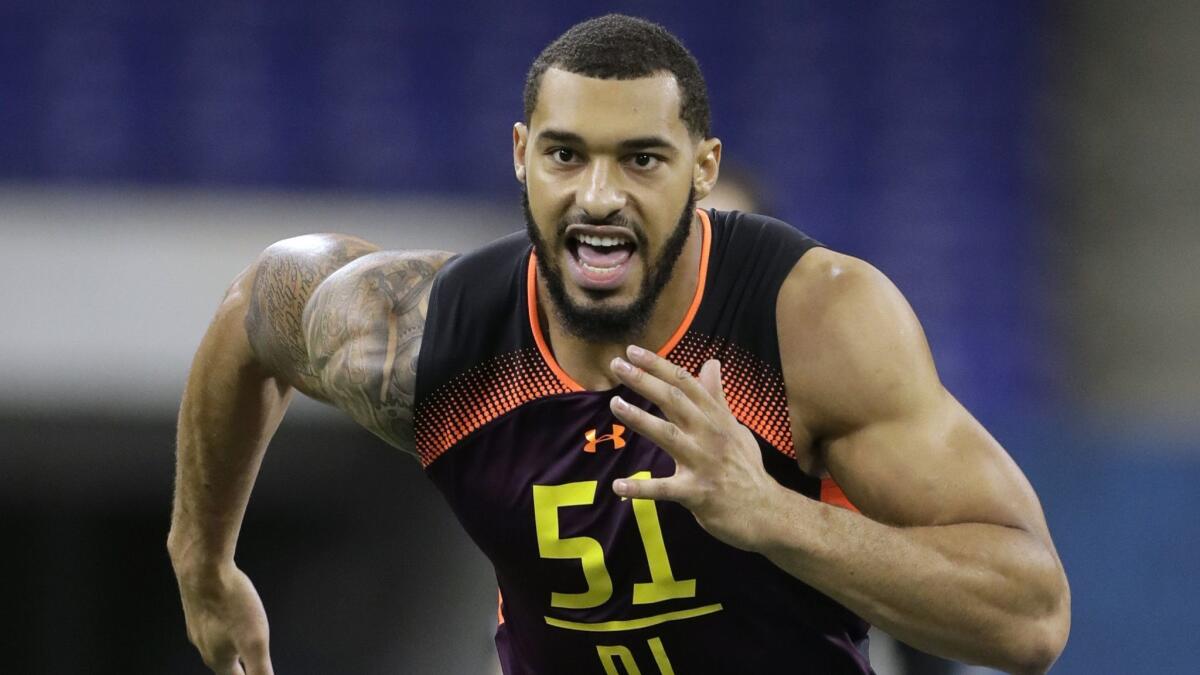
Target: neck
point(587, 361)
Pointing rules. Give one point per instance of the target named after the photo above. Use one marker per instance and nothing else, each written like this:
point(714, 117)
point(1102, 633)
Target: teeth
point(592, 240)
point(598, 270)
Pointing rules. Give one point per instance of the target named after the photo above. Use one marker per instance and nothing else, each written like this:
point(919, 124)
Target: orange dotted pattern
point(477, 396)
point(753, 389)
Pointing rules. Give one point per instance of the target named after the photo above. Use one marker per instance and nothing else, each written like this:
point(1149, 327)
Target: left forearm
point(988, 589)
point(976, 592)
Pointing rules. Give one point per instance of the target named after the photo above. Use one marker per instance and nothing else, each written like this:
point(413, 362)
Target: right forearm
point(231, 407)
point(254, 355)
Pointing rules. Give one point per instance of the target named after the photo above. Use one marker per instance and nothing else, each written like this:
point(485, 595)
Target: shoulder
point(378, 281)
point(289, 270)
point(317, 248)
point(829, 281)
point(851, 346)
point(277, 286)
point(756, 233)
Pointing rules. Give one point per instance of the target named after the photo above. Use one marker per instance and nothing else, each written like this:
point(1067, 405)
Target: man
point(632, 417)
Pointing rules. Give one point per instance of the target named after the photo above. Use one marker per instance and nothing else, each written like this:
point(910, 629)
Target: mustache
point(613, 219)
point(617, 219)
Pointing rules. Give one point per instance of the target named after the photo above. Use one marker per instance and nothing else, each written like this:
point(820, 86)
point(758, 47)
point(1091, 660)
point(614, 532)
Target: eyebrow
point(627, 145)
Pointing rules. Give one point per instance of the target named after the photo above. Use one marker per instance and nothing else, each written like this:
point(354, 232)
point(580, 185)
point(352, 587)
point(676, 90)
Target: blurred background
point(1025, 171)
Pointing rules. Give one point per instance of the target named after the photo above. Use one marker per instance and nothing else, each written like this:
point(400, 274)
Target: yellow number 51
point(548, 499)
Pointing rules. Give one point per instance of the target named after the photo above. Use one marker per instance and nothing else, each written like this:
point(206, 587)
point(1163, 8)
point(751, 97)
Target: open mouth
point(599, 257)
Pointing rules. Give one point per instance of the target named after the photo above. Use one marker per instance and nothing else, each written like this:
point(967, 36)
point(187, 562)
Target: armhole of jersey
point(830, 492)
point(773, 249)
point(429, 336)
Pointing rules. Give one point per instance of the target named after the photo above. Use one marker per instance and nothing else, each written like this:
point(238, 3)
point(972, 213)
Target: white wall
point(104, 293)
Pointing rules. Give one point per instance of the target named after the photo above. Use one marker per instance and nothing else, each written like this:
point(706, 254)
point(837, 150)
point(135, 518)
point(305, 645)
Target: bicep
point(363, 331)
point(901, 447)
point(932, 465)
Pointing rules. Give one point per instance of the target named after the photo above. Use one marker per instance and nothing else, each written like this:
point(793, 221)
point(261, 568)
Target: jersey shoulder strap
point(478, 358)
point(750, 258)
point(473, 312)
point(752, 255)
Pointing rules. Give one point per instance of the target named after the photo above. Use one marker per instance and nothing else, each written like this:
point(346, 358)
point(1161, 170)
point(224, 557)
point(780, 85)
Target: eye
point(645, 160)
point(564, 155)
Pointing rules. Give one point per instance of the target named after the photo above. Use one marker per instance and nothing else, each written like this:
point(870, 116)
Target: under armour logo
point(615, 437)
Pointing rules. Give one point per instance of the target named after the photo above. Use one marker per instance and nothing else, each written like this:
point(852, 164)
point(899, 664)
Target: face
point(611, 176)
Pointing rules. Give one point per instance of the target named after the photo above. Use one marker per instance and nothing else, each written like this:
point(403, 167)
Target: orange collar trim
point(535, 323)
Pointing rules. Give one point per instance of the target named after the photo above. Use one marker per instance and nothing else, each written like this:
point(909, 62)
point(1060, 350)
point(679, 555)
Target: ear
point(520, 138)
point(708, 166)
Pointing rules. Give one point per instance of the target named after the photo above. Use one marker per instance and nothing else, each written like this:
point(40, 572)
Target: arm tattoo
point(364, 329)
point(286, 275)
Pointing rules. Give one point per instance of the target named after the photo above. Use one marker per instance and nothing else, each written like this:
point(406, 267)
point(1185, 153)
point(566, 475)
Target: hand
point(227, 623)
point(719, 473)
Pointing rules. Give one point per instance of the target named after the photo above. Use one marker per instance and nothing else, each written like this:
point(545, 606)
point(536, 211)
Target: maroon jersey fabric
point(590, 582)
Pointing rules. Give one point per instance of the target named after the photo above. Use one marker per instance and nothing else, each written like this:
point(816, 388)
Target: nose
point(600, 194)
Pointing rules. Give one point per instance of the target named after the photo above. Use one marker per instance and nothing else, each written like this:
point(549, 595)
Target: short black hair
point(622, 47)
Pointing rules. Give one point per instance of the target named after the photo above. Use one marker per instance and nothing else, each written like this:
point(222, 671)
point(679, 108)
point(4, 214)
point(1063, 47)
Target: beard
point(598, 322)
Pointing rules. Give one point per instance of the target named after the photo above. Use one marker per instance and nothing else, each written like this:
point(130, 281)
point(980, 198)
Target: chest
point(542, 474)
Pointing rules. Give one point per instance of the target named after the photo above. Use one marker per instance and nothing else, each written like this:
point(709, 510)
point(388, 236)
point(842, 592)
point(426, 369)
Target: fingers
point(671, 387)
point(228, 626)
point(710, 379)
point(254, 661)
point(230, 667)
point(648, 488)
point(221, 658)
point(259, 666)
point(257, 660)
point(663, 433)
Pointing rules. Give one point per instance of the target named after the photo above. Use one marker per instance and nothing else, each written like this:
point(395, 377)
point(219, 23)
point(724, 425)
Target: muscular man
point(644, 414)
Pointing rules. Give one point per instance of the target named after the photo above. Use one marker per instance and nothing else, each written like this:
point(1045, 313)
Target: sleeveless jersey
point(590, 582)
